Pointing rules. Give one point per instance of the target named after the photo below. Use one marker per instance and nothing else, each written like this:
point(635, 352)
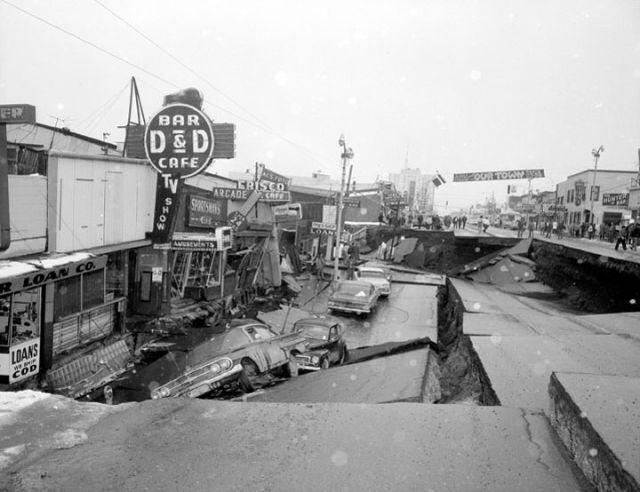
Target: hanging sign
point(178, 142)
point(205, 213)
point(287, 212)
point(496, 175)
point(615, 199)
point(22, 361)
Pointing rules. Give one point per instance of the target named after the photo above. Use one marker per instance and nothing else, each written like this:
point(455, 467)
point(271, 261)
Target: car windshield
point(371, 274)
point(314, 331)
point(353, 289)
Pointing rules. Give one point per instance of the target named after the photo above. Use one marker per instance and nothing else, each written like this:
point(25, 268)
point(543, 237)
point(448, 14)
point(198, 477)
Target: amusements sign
point(615, 199)
point(498, 175)
point(179, 144)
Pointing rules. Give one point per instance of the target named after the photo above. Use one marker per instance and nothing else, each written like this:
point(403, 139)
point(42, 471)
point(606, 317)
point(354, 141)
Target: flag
point(438, 180)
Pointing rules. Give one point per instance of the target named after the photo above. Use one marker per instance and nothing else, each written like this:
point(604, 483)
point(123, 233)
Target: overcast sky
point(466, 86)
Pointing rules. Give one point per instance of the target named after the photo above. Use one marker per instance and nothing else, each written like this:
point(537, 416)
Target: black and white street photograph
point(358, 245)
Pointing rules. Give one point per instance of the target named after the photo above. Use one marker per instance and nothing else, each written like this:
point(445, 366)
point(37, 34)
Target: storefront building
point(610, 196)
point(49, 306)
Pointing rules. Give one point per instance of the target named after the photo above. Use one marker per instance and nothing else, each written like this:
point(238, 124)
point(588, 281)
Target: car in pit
point(354, 296)
point(326, 345)
point(245, 350)
point(376, 276)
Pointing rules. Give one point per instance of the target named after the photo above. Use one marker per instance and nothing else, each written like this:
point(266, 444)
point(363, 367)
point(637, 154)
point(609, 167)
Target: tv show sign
point(498, 175)
point(179, 143)
point(615, 199)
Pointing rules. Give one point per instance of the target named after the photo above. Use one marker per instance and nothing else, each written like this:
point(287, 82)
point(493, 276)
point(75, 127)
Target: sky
point(458, 86)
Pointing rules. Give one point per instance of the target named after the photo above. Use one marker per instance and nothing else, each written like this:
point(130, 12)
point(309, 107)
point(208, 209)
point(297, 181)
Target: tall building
point(416, 186)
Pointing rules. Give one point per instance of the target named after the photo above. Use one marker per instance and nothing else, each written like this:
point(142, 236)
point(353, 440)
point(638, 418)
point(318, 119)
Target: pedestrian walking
point(464, 221)
point(634, 236)
point(530, 227)
point(455, 222)
point(561, 229)
point(602, 231)
point(554, 228)
point(622, 238)
point(591, 229)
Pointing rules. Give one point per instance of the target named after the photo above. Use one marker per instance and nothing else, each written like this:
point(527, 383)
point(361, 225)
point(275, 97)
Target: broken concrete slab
point(519, 367)
point(504, 271)
point(394, 378)
point(623, 324)
point(177, 443)
point(404, 247)
point(597, 418)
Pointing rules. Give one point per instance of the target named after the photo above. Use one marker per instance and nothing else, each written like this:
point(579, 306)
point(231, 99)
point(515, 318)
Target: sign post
point(179, 143)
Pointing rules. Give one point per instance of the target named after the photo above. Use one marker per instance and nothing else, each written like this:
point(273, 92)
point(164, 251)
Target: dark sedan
point(325, 343)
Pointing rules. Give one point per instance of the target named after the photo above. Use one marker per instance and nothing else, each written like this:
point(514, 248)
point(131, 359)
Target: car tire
point(245, 384)
point(291, 368)
point(344, 356)
point(249, 367)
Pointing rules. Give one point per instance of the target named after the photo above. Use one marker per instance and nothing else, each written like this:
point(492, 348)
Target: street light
point(347, 153)
point(596, 155)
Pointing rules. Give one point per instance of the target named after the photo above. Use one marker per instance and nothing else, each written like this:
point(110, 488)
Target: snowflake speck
point(339, 458)
point(477, 250)
point(632, 301)
point(475, 75)
point(583, 414)
point(593, 452)
point(413, 363)
point(366, 324)
point(476, 306)
point(353, 377)
point(496, 338)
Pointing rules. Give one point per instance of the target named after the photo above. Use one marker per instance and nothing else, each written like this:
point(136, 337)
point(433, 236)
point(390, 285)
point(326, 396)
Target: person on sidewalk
point(622, 238)
point(530, 227)
point(634, 235)
point(561, 228)
point(464, 221)
point(602, 231)
point(554, 228)
point(591, 230)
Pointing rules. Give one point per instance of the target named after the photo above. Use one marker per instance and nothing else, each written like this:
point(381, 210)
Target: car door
point(333, 344)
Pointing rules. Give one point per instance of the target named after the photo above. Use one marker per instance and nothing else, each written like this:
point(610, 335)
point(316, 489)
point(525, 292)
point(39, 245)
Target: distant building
point(610, 196)
point(418, 188)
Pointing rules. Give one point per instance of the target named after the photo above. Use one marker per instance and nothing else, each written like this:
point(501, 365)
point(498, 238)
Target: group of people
point(459, 222)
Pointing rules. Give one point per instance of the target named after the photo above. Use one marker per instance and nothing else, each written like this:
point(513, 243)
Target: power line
point(162, 79)
point(182, 64)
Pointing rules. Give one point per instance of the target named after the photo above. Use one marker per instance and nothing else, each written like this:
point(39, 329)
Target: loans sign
point(22, 361)
point(498, 175)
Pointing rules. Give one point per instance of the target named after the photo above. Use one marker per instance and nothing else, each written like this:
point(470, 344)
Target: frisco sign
point(205, 213)
point(497, 175)
point(35, 279)
point(615, 199)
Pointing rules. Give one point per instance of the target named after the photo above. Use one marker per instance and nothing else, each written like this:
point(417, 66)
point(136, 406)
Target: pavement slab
point(394, 378)
point(184, 444)
point(597, 418)
point(519, 367)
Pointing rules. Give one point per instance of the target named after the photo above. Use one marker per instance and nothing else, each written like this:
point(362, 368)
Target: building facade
point(417, 188)
point(609, 196)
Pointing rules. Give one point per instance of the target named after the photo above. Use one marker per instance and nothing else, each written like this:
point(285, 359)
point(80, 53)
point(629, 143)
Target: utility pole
point(347, 153)
point(596, 155)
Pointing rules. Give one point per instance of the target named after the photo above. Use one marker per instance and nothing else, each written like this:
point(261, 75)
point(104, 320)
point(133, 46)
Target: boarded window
point(92, 289)
point(67, 298)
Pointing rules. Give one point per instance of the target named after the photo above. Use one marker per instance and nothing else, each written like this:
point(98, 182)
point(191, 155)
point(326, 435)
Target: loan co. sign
point(179, 144)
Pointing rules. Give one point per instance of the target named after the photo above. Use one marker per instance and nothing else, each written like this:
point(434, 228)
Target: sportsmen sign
point(497, 175)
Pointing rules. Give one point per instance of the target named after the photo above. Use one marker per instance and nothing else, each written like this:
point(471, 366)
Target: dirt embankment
point(589, 282)
point(463, 379)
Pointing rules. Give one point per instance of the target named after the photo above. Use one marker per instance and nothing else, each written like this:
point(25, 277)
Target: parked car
point(376, 276)
point(248, 348)
point(325, 343)
point(354, 296)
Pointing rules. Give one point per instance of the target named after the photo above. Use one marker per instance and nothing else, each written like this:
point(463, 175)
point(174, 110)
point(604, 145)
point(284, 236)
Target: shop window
point(92, 289)
point(145, 286)
point(115, 273)
point(25, 316)
point(67, 297)
point(5, 316)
